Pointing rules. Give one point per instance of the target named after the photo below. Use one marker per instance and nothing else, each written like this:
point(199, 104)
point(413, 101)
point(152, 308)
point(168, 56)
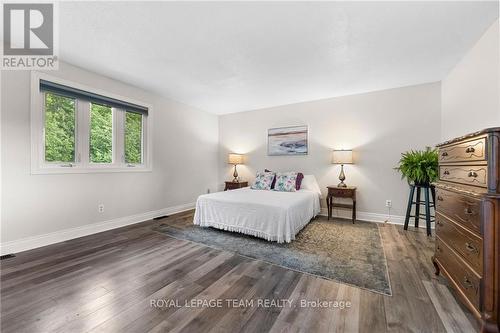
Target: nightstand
point(341, 192)
point(234, 185)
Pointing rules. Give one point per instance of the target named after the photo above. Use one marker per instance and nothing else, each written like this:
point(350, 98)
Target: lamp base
point(342, 177)
point(235, 175)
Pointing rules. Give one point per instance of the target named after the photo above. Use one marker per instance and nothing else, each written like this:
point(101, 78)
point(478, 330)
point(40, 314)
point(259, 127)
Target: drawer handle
point(468, 284)
point(444, 154)
point(472, 174)
point(446, 172)
point(468, 211)
point(470, 248)
point(440, 198)
point(470, 150)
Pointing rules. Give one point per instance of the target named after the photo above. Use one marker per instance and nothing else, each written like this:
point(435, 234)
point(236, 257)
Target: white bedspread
point(272, 215)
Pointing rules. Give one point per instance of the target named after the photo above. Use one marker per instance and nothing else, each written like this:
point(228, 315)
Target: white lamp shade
point(235, 159)
point(342, 157)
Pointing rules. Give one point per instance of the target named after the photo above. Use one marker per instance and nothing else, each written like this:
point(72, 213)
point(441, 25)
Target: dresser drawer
point(462, 174)
point(235, 185)
point(341, 192)
point(462, 209)
point(474, 150)
point(467, 244)
point(468, 281)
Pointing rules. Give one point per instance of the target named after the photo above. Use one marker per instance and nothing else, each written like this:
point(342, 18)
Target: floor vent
point(7, 256)
point(160, 217)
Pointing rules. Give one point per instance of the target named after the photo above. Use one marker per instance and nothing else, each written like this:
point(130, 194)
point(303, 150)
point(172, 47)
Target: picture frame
point(288, 141)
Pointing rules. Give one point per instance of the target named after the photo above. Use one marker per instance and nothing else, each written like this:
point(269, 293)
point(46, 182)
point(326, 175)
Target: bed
point(271, 215)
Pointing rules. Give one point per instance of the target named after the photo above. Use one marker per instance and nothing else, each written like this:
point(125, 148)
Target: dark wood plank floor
point(106, 283)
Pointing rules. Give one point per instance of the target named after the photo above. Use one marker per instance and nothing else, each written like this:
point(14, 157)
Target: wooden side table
point(230, 185)
point(341, 192)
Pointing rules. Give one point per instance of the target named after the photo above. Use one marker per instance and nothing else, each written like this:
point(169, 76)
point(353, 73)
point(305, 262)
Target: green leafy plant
point(419, 166)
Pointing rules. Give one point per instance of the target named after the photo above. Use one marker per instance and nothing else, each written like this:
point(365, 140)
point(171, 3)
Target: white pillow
point(309, 183)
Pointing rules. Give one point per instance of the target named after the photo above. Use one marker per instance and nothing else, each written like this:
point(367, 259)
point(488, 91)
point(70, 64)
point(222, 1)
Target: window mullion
point(83, 131)
point(144, 145)
point(40, 120)
point(119, 137)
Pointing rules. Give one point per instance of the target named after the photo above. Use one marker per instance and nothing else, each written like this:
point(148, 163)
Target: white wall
point(185, 145)
point(470, 92)
point(190, 148)
point(378, 126)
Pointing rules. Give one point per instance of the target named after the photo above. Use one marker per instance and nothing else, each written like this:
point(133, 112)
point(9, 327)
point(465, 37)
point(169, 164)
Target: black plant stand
point(428, 218)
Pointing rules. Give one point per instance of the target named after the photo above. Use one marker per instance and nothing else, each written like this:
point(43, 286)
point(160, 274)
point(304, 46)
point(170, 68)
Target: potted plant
point(419, 167)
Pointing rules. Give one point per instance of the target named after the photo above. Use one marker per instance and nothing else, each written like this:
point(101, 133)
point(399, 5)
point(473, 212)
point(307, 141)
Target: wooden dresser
point(468, 222)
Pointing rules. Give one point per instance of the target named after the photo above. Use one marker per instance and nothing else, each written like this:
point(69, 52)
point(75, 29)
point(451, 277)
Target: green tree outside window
point(59, 128)
point(101, 134)
point(133, 138)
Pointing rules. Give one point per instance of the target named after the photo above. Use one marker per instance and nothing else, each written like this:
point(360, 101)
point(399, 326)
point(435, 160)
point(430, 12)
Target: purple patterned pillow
point(300, 176)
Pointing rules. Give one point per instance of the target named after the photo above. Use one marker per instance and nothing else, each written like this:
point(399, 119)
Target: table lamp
point(342, 157)
point(235, 159)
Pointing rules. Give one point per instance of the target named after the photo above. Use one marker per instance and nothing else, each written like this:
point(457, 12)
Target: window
point(59, 128)
point(133, 138)
point(101, 134)
point(76, 129)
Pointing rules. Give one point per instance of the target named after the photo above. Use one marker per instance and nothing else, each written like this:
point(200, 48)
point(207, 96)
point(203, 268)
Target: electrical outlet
point(100, 208)
point(388, 203)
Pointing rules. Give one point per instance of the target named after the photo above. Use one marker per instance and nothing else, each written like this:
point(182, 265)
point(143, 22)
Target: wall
point(470, 92)
point(39, 209)
point(378, 126)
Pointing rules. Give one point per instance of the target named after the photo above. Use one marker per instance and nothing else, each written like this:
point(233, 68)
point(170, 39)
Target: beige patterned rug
point(335, 249)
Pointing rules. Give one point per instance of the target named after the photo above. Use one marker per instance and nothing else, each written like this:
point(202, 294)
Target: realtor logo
point(28, 35)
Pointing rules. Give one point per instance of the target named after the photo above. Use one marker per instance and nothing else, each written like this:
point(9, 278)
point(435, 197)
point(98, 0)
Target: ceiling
point(226, 57)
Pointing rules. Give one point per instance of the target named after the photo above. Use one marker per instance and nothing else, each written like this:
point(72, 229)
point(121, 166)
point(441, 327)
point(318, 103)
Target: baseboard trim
point(29, 243)
point(370, 217)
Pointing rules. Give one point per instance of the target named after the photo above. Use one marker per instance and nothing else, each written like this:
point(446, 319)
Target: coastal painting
point(287, 141)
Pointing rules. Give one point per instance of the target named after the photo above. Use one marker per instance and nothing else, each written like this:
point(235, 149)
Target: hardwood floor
point(106, 283)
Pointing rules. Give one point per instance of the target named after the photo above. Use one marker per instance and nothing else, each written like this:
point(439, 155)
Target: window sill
point(79, 170)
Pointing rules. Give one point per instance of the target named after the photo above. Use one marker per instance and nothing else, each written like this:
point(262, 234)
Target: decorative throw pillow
point(263, 181)
point(300, 176)
point(286, 182)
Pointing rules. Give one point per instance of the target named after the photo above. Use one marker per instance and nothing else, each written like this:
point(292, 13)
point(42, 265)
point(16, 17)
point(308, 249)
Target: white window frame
point(82, 162)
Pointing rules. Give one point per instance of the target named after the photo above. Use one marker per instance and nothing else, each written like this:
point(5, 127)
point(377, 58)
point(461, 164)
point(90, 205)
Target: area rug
point(336, 250)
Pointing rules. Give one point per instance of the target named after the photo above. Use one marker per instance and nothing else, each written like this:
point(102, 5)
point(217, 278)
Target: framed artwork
point(287, 141)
